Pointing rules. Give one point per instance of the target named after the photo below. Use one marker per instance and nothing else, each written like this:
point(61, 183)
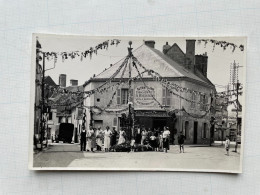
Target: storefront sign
point(144, 97)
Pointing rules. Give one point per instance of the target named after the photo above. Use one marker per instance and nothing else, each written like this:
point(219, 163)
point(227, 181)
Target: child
point(227, 143)
point(153, 142)
point(132, 145)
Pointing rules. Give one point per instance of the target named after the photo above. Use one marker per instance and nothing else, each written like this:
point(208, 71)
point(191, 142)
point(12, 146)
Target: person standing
point(113, 136)
point(99, 138)
point(138, 136)
point(144, 136)
point(153, 141)
point(227, 143)
point(122, 136)
point(91, 139)
point(181, 139)
point(107, 135)
point(83, 140)
point(166, 135)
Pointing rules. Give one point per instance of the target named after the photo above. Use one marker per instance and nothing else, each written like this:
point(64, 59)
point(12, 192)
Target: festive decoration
point(222, 44)
point(81, 54)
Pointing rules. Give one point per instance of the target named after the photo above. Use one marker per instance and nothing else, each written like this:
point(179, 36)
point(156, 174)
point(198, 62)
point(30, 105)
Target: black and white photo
point(137, 103)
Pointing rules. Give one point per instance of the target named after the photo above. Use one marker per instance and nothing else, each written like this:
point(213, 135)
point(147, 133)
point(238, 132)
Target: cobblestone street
point(195, 157)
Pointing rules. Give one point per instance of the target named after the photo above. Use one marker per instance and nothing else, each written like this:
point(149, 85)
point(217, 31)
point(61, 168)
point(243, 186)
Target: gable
point(176, 54)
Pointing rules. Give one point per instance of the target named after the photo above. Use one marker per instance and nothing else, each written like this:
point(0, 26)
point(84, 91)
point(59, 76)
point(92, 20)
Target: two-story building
point(185, 70)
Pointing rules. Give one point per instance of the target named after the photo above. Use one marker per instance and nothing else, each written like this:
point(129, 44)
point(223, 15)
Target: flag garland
point(170, 85)
point(82, 54)
point(174, 86)
point(223, 44)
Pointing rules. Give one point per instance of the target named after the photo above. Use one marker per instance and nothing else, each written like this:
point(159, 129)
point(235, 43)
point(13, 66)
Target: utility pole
point(43, 101)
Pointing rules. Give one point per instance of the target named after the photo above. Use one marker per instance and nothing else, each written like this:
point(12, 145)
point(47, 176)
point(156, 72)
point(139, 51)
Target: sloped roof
point(152, 59)
point(49, 81)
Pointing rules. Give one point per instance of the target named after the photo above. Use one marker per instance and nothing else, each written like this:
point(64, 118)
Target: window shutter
point(131, 95)
point(168, 98)
point(164, 97)
point(118, 99)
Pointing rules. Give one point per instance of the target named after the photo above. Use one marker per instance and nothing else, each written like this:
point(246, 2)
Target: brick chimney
point(150, 43)
point(201, 62)
point(62, 80)
point(190, 54)
point(73, 82)
point(166, 47)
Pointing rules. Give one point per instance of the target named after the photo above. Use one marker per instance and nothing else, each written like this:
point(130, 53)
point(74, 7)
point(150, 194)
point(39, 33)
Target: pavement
point(197, 157)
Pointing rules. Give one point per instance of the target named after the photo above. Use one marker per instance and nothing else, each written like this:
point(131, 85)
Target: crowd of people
point(96, 139)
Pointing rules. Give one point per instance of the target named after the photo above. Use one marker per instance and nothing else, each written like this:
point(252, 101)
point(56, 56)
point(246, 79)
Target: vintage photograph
point(137, 103)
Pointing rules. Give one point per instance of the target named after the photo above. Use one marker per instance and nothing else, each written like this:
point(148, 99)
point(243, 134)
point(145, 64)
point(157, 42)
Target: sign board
point(144, 96)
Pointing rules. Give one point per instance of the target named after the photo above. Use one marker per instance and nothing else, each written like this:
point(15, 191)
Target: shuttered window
point(131, 95)
point(166, 97)
point(124, 96)
point(193, 99)
point(118, 99)
point(203, 102)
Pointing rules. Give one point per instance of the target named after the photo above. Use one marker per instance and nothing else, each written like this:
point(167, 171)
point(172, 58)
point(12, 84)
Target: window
point(124, 96)
point(203, 102)
point(166, 97)
point(60, 119)
point(193, 99)
point(98, 99)
point(118, 99)
point(204, 132)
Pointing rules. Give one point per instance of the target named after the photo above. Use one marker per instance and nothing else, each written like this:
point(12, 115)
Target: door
point(159, 123)
point(195, 133)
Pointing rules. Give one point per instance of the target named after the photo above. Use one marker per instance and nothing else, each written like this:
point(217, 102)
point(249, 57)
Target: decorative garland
point(81, 54)
point(222, 44)
point(170, 85)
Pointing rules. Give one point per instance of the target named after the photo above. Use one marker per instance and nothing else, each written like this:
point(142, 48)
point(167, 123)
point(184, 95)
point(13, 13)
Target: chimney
point(166, 47)
point(201, 62)
point(150, 43)
point(62, 80)
point(73, 82)
point(190, 54)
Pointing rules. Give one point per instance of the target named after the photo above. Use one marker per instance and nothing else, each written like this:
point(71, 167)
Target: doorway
point(195, 133)
point(159, 123)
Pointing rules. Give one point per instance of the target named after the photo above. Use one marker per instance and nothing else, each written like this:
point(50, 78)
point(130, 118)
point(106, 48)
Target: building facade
point(148, 95)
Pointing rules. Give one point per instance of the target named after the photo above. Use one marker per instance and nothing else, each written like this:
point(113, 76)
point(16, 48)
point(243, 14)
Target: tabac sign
point(144, 96)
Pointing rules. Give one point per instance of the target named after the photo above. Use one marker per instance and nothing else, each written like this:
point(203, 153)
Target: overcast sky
point(219, 60)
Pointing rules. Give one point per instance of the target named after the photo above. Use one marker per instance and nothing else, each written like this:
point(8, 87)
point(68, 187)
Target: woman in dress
point(91, 144)
point(107, 135)
point(113, 136)
point(99, 138)
point(144, 135)
point(122, 135)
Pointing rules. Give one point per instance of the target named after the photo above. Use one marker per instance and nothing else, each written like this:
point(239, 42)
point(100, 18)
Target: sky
point(219, 60)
